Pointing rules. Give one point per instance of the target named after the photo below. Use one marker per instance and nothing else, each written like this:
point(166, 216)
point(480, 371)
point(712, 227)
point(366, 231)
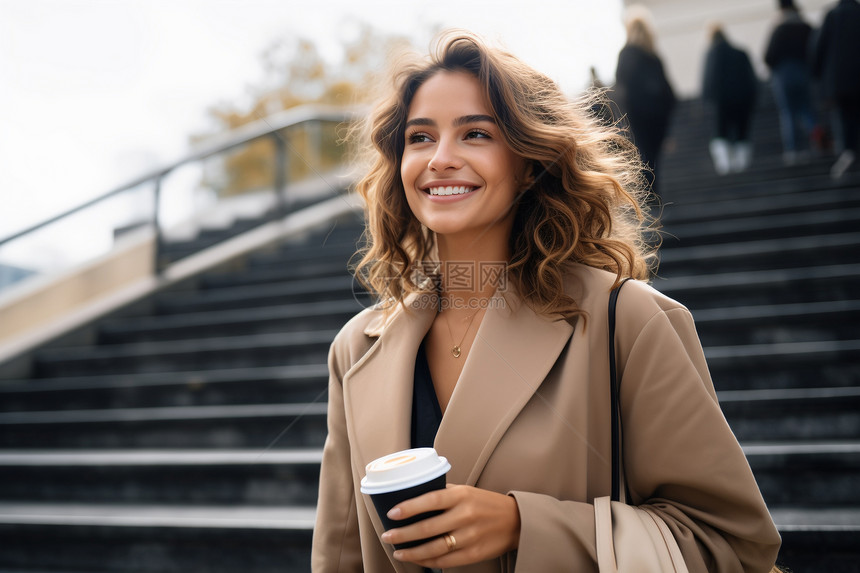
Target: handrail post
point(280, 174)
point(156, 224)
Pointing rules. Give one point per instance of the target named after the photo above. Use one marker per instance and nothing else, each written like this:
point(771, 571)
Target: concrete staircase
point(767, 261)
point(185, 432)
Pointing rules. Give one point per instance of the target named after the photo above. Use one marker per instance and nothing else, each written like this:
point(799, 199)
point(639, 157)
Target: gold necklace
point(456, 349)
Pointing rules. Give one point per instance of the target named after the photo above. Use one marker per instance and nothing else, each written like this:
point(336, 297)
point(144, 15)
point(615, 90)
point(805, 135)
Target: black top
point(426, 412)
point(729, 77)
point(642, 88)
point(789, 41)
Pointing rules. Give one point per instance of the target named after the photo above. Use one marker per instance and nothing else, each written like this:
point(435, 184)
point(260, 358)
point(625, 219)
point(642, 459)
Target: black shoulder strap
point(614, 398)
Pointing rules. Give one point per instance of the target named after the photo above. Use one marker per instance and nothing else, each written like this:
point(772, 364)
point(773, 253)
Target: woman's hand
point(484, 525)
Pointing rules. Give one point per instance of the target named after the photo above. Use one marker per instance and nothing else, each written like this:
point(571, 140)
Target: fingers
point(426, 528)
point(433, 501)
point(480, 525)
point(432, 528)
point(438, 553)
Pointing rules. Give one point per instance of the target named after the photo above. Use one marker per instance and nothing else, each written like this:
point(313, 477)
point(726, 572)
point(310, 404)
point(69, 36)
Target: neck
point(473, 265)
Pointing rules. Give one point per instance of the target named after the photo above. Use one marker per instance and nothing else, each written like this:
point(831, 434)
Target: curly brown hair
point(582, 203)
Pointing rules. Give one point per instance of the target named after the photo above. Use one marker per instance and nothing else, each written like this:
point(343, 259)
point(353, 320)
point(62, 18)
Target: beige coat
point(530, 417)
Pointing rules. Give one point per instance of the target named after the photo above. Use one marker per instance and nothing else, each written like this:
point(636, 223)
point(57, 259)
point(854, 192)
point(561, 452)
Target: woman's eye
point(417, 138)
point(477, 134)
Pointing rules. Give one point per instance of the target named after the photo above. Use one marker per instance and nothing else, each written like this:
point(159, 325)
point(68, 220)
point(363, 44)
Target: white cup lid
point(402, 470)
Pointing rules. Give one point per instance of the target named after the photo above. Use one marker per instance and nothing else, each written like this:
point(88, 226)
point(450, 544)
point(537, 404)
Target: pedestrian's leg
point(742, 148)
point(719, 145)
point(847, 128)
point(851, 124)
point(786, 123)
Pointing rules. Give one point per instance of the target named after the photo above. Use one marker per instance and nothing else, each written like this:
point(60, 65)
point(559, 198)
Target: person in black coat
point(730, 86)
point(836, 60)
point(644, 94)
point(786, 56)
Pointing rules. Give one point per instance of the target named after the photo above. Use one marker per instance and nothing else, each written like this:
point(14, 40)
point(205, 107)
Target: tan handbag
point(630, 539)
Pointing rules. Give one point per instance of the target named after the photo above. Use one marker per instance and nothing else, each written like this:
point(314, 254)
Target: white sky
point(95, 92)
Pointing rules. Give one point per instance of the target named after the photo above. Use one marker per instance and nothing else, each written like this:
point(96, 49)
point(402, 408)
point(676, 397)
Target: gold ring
point(450, 542)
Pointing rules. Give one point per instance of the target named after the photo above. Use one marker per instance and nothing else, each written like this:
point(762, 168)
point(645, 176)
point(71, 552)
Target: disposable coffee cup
point(401, 476)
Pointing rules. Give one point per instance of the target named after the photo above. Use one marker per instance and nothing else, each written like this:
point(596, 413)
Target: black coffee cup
point(401, 476)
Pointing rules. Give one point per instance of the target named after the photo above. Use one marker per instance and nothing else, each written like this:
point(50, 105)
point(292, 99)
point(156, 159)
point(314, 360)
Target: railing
point(164, 198)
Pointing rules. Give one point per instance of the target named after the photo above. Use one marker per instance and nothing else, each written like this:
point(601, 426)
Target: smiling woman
point(500, 217)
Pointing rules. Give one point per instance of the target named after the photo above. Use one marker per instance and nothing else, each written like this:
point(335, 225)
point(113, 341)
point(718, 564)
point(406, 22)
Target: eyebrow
point(462, 120)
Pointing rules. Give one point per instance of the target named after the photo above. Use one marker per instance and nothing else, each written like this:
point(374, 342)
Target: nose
point(445, 156)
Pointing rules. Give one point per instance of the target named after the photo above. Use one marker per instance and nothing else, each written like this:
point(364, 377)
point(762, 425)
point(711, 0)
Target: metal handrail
point(265, 127)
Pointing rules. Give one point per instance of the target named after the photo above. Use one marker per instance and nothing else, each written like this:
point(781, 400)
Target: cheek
point(407, 180)
point(408, 171)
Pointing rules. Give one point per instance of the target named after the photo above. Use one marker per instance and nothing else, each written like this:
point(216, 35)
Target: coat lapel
point(378, 388)
point(512, 354)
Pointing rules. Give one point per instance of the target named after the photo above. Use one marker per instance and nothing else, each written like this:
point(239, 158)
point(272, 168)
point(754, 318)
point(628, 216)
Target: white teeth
point(450, 190)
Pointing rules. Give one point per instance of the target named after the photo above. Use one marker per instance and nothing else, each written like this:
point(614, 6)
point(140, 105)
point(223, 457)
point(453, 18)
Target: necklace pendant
point(456, 351)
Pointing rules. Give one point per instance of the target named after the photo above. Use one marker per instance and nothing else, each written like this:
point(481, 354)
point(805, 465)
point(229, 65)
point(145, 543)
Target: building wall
point(681, 28)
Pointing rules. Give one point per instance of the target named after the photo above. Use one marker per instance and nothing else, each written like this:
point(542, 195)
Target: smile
point(443, 191)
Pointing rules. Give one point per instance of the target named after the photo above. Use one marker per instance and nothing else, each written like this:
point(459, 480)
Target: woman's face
point(460, 177)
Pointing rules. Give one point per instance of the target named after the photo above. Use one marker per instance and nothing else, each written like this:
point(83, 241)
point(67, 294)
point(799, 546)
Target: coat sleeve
point(710, 78)
point(336, 543)
point(772, 52)
point(818, 49)
point(623, 76)
point(681, 459)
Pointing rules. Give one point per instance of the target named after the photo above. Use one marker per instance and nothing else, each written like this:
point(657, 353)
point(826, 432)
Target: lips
point(444, 191)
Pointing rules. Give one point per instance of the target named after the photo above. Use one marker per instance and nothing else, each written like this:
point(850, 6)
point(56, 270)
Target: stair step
point(291, 254)
point(756, 228)
point(302, 258)
point(818, 520)
point(764, 287)
point(180, 477)
point(210, 236)
point(311, 290)
point(259, 385)
point(793, 413)
point(770, 177)
point(158, 458)
point(154, 414)
point(276, 272)
point(785, 365)
point(255, 320)
point(225, 427)
point(815, 539)
point(806, 322)
point(338, 235)
point(759, 208)
point(143, 538)
point(226, 517)
point(270, 349)
point(708, 190)
point(782, 352)
point(806, 473)
point(764, 254)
